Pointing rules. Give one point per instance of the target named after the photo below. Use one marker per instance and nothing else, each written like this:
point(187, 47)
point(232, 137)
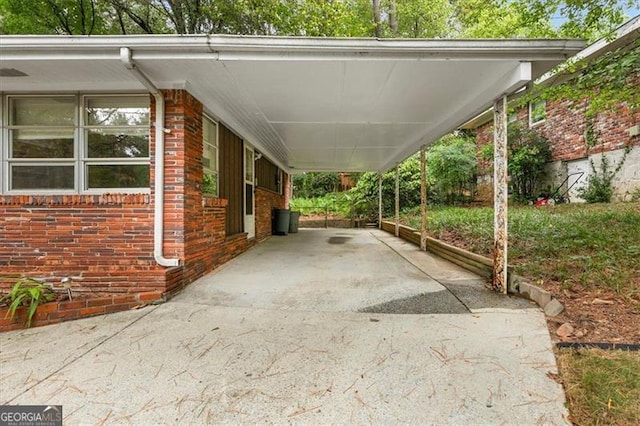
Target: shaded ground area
point(275, 336)
point(439, 302)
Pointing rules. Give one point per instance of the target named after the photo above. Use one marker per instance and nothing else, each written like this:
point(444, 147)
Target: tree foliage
point(365, 193)
point(342, 18)
point(589, 19)
point(501, 19)
point(527, 154)
point(452, 165)
point(315, 184)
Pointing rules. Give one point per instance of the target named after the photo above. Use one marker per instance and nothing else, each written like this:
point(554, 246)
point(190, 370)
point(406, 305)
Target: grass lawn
point(578, 246)
point(603, 387)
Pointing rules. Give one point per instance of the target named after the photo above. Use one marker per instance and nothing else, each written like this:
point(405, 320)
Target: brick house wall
point(108, 239)
point(565, 128)
point(266, 201)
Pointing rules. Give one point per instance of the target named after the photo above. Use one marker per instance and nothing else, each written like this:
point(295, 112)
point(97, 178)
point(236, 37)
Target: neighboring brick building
point(564, 125)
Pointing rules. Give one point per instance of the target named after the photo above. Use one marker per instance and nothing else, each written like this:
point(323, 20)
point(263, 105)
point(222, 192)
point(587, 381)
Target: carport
point(309, 104)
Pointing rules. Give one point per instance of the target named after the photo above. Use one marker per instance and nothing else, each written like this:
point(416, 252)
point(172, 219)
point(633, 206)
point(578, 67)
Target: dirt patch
point(596, 316)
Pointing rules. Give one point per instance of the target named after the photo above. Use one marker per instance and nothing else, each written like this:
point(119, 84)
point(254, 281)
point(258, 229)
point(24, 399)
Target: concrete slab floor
point(263, 341)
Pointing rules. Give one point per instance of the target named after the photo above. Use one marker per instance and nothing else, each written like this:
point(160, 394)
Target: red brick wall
point(287, 189)
point(194, 224)
point(106, 239)
point(55, 312)
point(565, 128)
point(266, 201)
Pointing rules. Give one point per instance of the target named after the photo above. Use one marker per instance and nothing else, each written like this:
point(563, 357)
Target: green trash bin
point(281, 221)
point(294, 221)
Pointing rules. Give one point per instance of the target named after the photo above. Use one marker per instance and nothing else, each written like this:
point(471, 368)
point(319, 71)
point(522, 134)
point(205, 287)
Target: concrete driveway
point(323, 326)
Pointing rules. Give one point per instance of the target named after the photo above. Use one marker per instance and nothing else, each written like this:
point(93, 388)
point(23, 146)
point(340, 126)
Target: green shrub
point(28, 292)
point(599, 188)
point(527, 153)
point(452, 166)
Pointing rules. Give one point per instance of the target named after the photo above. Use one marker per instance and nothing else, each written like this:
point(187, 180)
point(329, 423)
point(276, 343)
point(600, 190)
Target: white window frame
point(7, 141)
point(216, 147)
point(80, 162)
point(531, 109)
point(280, 181)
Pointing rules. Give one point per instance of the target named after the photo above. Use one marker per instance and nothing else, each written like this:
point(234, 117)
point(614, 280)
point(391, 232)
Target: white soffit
point(308, 104)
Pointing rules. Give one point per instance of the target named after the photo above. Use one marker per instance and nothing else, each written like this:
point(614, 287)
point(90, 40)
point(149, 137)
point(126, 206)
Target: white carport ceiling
point(308, 104)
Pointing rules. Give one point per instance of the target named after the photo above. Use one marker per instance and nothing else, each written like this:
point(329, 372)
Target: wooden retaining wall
point(481, 266)
point(475, 263)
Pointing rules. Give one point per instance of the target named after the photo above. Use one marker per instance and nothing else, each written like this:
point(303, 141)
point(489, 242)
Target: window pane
point(210, 184)
point(33, 143)
point(117, 111)
point(42, 111)
point(42, 177)
point(209, 131)
point(248, 165)
point(118, 176)
point(210, 158)
point(538, 111)
point(206, 132)
point(248, 194)
point(121, 143)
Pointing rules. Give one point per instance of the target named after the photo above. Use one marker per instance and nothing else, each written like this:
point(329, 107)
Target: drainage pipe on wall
point(158, 207)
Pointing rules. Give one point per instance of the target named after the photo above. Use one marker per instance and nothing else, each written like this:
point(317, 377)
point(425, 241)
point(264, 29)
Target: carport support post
point(379, 200)
point(423, 199)
point(500, 195)
point(397, 201)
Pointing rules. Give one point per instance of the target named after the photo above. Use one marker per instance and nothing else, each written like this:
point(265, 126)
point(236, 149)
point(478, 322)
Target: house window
point(116, 147)
point(41, 152)
point(77, 144)
point(537, 112)
point(209, 157)
point(512, 117)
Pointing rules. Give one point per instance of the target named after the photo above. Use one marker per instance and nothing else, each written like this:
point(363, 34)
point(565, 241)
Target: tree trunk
point(376, 18)
point(393, 18)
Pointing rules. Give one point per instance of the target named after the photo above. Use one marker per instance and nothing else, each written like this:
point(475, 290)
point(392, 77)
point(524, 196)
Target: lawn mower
point(556, 197)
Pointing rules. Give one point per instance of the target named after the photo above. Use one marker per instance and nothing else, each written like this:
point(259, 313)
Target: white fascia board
point(290, 48)
point(511, 82)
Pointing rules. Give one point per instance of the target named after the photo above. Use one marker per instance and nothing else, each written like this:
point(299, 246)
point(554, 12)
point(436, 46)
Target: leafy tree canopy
point(345, 18)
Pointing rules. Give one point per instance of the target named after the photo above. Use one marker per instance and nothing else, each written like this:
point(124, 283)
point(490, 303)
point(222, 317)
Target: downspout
point(158, 207)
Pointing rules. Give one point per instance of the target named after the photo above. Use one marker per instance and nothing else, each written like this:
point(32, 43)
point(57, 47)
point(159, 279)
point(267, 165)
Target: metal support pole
point(500, 195)
point(379, 200)
point(423, 199)
point(397, 201)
